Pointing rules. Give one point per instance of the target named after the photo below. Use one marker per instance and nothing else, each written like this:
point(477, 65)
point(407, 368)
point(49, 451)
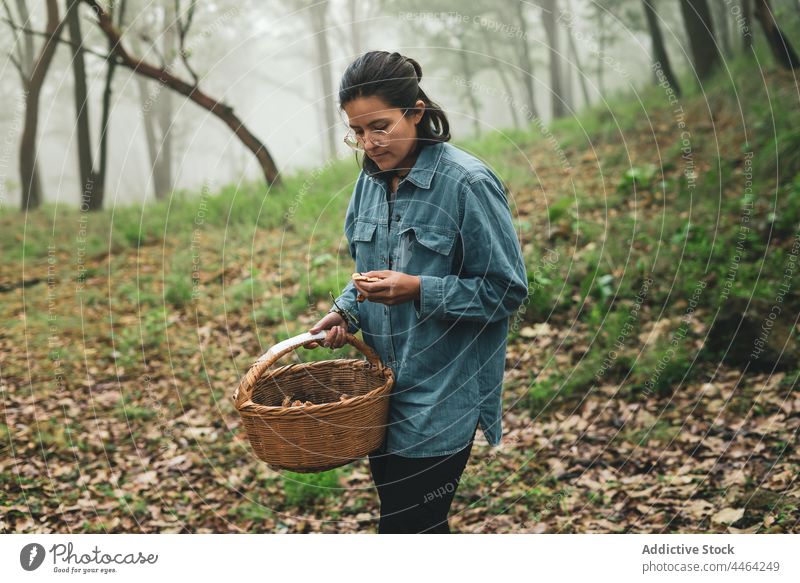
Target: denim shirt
point(451, 225)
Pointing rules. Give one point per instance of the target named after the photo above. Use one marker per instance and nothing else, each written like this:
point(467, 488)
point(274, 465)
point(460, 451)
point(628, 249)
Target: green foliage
point(662, 368)
point(638, 177)
point(559, 208)
point(178, 282)
point(302, 489)
point(149, 332)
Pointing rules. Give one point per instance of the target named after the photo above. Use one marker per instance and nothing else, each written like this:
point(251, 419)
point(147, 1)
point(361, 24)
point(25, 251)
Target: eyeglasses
point(379, 138)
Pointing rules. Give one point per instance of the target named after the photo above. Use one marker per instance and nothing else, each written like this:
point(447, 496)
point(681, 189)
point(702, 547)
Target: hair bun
point(417, 68)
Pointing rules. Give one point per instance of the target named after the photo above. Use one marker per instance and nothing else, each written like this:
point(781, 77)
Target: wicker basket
point(318, 437)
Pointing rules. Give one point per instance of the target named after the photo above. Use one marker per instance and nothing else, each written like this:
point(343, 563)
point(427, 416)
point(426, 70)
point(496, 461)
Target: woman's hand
point(337, 329)
point(395, 287)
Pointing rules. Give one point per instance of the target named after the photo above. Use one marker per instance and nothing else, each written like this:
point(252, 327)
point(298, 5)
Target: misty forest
point(173, 191)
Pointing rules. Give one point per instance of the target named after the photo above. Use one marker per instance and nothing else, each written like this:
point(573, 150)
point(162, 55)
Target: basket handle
point(244, 391)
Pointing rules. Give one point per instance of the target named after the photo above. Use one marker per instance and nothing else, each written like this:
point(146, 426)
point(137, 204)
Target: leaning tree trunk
point(659, 50)
point(220, 110)
point(31, 187)
point(781, 48)
point(700, 29)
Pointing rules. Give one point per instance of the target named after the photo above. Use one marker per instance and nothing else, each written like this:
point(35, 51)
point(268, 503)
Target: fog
point(260, 58)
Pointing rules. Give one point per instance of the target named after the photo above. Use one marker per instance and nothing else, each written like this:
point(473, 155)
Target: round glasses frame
point(379, 138)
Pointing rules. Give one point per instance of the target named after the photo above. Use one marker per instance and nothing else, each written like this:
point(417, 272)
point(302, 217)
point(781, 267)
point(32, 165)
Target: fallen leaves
point(728, 515)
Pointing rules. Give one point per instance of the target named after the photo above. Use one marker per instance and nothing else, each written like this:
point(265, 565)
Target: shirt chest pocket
point(424, 250)
point(365, 241)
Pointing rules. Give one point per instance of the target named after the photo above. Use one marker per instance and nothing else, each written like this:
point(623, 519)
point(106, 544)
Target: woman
point(433, 224)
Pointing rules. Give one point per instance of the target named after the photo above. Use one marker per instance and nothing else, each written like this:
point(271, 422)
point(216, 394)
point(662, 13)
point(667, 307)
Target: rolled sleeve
point(347, 300)
point(493, 281)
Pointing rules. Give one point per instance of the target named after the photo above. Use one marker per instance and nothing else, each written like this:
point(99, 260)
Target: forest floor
point(117, 364)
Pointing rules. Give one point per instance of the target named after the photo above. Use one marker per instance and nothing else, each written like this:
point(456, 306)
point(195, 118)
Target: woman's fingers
point(342, 338)
point(329, 337)
point(335, 337)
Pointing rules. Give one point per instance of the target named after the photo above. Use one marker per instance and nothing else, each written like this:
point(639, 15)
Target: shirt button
point(397, 217)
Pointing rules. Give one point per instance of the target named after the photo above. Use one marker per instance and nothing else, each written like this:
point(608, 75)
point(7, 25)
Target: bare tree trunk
point(158, 115)
point(659, 50)
point(25, 17)
point(162, 164)
point(549, 8)
point(567, 75)
point(24, 64)
point(781, 48)
point(720, 16)
point(151, 139)
point(93, 179)
point(31, 187)
point(159, 143)
point(318, 13)
point(747, 32)
point(600, 16)
point(700, 28)
point(576, 57)
point(99, 177)
point(355, 27)
point(466, 70)
point(163, 179)
point(491, 50)
point(81, 94)
point(525, 60)
point(163, 76)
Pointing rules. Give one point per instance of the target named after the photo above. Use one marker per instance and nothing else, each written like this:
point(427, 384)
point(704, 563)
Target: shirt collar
point(425, 166)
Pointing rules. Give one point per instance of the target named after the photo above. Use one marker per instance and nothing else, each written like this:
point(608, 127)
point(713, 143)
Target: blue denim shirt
point(451, 225)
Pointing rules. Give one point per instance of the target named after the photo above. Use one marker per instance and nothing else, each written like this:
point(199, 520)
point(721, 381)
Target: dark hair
point(395, 79)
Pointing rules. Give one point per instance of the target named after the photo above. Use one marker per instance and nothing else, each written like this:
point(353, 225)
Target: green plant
point(309, 488)
point(638, 177)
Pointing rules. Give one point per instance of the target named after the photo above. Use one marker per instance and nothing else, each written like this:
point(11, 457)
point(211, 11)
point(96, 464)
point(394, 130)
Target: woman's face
point(373, 113)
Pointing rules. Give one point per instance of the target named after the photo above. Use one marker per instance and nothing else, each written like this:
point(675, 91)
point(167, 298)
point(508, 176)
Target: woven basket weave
point(328, 434)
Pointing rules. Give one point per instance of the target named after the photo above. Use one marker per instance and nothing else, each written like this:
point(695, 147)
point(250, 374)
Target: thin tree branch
point(153, 46)
point(17, 45)
point(104, 56)
point(183, 30)
point(18, 67)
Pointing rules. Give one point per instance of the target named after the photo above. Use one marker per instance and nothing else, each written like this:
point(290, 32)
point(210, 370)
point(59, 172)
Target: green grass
point(300, 489)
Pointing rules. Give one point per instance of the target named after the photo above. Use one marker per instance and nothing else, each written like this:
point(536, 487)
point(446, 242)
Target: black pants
point(416, 493)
